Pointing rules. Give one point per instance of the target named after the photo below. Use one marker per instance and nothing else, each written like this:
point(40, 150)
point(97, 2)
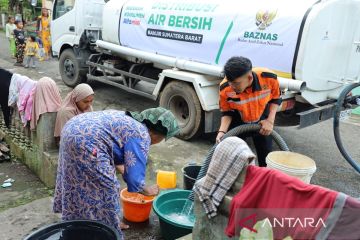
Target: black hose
point(338, 108)
point(248, 128)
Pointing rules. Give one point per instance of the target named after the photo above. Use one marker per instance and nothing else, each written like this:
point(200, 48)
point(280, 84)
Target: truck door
point(63, 24)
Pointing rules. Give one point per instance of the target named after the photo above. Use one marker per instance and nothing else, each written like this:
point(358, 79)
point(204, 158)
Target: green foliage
point(23, 7)
point(4, 5)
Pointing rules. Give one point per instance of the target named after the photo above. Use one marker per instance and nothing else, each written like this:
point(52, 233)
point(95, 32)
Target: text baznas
point(261, 36)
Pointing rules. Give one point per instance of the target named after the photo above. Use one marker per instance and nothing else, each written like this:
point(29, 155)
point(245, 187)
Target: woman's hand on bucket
point(151, 190)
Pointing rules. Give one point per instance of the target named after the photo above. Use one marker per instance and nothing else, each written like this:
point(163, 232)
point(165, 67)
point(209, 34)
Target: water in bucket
point(56, 236)
point(188, 208)
point(186, 215)
point(77, 229)
point(182, 219)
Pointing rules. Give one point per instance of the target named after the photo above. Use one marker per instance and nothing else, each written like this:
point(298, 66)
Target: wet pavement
point(316, 142)
point(26, 188)
point(26, 205)
point(17, 222)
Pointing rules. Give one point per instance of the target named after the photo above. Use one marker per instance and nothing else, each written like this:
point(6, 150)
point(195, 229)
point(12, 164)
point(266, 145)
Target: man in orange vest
point(249, 95)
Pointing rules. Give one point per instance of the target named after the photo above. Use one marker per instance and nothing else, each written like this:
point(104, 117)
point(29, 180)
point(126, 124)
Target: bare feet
point(124, 226)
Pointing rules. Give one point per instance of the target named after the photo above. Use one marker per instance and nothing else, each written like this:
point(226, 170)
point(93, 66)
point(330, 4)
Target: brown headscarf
point(46, 99)
point(69, 108)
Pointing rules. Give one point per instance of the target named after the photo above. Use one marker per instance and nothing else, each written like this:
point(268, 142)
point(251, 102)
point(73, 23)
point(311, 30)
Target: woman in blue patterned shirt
point(93, 145)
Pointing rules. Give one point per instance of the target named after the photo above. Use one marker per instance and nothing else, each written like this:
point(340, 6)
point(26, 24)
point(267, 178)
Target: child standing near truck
point(10, 27)
point(19, 35)
point(31, 51)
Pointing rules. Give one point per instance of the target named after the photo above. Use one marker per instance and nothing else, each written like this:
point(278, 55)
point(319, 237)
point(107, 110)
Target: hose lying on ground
point(338, 108)
point(249, 128)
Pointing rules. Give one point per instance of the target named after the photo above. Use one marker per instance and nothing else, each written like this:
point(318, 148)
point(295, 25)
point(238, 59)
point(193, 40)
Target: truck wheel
point(70, 70)
point(181, 99)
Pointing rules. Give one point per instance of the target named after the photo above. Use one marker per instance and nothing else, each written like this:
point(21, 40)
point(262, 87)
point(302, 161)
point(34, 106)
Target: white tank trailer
point(175, 50)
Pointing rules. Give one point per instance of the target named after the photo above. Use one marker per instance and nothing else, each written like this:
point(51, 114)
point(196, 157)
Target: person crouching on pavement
point(249, 95)
point(31, 51)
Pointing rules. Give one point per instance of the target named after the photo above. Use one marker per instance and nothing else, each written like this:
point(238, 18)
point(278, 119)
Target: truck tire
point(181, 99)
point(70, 70)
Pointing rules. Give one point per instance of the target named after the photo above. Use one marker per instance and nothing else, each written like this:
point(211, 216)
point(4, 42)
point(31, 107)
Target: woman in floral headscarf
point(93, 145)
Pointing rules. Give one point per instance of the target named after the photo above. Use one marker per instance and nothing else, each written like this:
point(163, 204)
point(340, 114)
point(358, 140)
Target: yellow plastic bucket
point(166, 179)
point(293, 164)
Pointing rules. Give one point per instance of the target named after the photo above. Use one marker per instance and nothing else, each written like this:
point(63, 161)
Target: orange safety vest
point(252, 103)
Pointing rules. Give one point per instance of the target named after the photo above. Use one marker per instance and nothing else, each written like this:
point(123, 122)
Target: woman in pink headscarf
point(46, 99)
point(76, 102)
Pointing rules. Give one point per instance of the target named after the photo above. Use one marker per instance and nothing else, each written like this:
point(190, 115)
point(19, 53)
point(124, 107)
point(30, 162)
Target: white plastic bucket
point(293, 164)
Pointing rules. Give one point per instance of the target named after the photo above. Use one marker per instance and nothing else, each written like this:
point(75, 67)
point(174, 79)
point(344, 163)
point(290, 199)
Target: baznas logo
point(264, 18)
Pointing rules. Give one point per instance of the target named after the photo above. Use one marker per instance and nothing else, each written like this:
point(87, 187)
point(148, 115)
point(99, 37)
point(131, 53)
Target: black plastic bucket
point(76, 230)
point(190, 174)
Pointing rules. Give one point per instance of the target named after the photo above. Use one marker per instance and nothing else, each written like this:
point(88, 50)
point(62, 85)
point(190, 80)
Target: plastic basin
point(136, 207)
point(190, 174)
point(167, 203)
point(293, 164)
point(77, 229)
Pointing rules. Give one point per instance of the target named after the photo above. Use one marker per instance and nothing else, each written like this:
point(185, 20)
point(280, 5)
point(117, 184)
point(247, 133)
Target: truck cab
point(69, 20)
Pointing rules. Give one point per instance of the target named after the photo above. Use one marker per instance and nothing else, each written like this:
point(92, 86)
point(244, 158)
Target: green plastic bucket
point(167, 203)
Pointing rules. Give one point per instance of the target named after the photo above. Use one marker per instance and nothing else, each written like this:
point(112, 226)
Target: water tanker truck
point(174, 51)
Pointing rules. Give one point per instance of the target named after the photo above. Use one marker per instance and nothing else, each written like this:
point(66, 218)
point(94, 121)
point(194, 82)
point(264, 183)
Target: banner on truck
point(266, 31)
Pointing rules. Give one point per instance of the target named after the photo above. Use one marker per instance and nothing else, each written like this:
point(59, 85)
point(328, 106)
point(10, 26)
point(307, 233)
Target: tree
point(12, 5)
point(4, 5)
point(23, 7)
